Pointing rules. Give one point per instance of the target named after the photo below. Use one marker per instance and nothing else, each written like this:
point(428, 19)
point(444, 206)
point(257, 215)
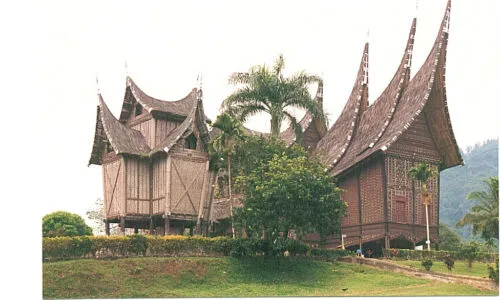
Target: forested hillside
point(481, 161)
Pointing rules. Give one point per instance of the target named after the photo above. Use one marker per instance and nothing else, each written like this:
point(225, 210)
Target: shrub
point(330, 254)
point(434, 254)
point(427, 264)
point(493, 271)
point(58, 248)
point(61, 223)
point(449, 262)
point(470, 252)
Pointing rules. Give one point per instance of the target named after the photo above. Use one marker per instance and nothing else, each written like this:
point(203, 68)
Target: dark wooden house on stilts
point(371, 148)
point(155, 162)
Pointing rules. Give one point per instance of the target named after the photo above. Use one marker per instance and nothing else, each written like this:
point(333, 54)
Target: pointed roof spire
point(126, 68)
point(337, 140)
point(199, 80)
point(97, 84)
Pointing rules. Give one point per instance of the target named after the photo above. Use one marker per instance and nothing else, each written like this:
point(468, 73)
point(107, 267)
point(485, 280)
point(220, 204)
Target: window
point(191, 142)
point(138, 109)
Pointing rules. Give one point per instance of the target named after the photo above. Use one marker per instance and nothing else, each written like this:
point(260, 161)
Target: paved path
point(478, 282)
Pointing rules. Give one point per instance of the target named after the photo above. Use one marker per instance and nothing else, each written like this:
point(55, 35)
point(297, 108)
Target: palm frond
point(297, 128)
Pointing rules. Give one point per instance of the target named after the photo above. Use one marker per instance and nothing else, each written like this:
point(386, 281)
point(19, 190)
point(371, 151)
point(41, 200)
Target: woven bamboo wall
point(350, 196)
point(372, 192)
point(113, 182)
point(416, 143)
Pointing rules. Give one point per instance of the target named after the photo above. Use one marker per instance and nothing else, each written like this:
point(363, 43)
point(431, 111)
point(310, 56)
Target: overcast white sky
point(60, 46)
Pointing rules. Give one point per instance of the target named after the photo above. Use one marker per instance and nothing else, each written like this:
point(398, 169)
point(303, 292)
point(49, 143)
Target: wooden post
point(106, 226)
point(136, 229)
point(122, 225)
point(167, 225)
point(387, 242)
point(150, 226)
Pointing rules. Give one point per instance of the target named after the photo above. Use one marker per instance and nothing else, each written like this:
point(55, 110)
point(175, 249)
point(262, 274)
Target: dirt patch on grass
point(176, 268)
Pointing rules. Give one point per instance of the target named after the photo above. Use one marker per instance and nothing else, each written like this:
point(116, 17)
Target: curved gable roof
point(376, 119)
point(337, 140)
point(180, 108)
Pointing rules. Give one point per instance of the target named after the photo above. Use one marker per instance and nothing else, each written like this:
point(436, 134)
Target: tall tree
point(286, 194)
point(423, 173)
point(484, 215)
point(267, 90)
point(230, 132)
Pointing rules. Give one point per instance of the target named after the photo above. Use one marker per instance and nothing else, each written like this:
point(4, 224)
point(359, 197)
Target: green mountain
point(481, 161)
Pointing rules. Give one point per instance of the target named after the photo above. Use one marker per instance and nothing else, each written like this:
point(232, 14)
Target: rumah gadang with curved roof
point(401, 103)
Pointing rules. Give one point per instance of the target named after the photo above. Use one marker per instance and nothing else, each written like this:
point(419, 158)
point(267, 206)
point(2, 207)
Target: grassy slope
point(460, 268)
point(224, 277)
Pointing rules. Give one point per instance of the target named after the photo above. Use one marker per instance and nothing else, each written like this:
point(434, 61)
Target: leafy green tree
point(230, 132)
point(61, 223)
point(269, 91)
point(484, 215)
point(257, 150)
point(448, 238)
point(290, 194)
point(470, 251)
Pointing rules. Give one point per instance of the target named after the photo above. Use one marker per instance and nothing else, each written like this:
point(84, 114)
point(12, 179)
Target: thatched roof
point(395, 110)
point(178, 108)
point(339, 137)
point(125, 140)
point(307, 121)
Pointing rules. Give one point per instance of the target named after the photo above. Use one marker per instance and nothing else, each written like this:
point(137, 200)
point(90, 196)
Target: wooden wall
point(350, 196)
point(163, 128)
point(188, 180)
point(159, 185)
point(416, 143)
point(113, 183)
point(148, 130)
point(372, 192)
point(137, 183)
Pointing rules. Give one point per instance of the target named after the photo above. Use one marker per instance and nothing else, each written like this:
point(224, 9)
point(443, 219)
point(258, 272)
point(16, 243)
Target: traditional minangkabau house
point(155, 162)
point(370, 149)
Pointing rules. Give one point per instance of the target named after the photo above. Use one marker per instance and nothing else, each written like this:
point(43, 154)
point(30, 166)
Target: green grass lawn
point(231, 277)
point(478, 269)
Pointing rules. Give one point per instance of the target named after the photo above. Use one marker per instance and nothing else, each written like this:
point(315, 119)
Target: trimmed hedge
point(330, 254)
point(63, 248)
point(433, 254)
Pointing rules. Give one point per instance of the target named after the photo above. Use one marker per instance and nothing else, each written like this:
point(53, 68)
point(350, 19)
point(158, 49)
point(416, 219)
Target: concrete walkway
point(478, 282)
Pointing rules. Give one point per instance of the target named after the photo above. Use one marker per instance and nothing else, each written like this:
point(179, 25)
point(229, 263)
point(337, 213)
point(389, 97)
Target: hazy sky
point(58, 47)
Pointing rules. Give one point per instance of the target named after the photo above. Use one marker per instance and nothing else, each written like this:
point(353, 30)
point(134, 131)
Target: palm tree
point(231, 131)
point(422, 172)
point(267, 90)
point(484, 215)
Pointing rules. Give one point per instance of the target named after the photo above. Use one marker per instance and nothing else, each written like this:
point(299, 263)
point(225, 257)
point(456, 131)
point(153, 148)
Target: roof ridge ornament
point(416, 8)
point(199, 81)
point(126, 68)
point(97, 84)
